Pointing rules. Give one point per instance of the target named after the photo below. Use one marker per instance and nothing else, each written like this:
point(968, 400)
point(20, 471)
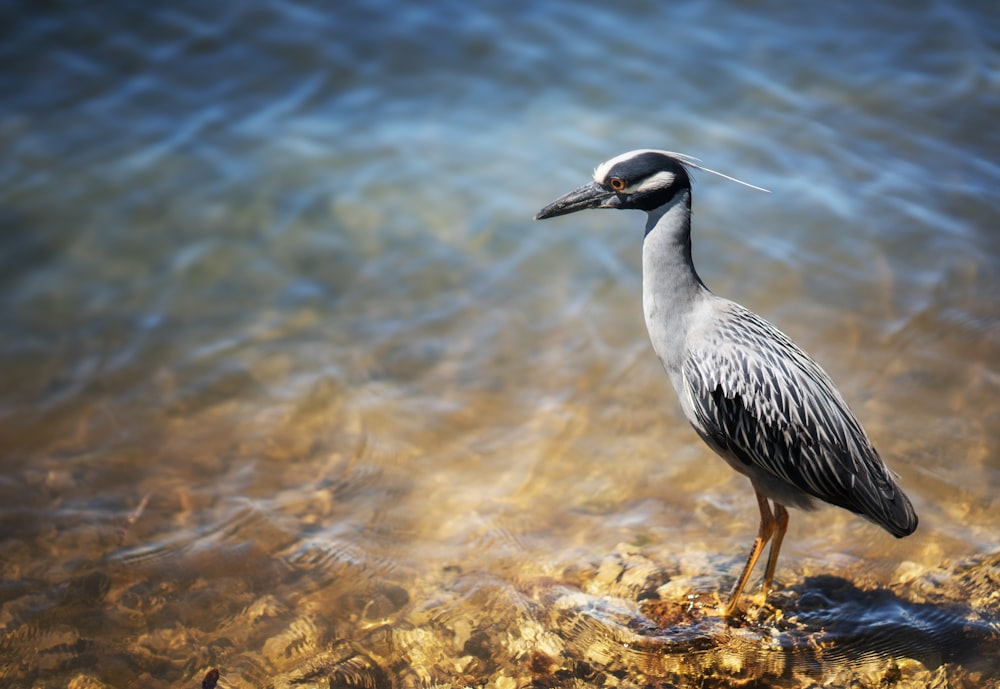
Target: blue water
point(277, 330)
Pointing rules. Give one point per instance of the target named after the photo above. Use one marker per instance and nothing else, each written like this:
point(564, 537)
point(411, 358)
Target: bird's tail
point(899, 517)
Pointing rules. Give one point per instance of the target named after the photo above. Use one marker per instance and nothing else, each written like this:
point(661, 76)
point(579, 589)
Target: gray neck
point(671, 288)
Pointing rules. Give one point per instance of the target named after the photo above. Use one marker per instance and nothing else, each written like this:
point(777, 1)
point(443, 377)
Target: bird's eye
point(617, 183)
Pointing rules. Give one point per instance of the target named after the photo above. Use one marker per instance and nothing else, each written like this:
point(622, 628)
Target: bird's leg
point(780, 526)
point(763, 535)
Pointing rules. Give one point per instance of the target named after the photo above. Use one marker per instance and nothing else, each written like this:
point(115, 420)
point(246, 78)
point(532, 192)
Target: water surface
point(295, 388)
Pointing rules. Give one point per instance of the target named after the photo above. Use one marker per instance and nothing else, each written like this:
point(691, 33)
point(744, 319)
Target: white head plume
point(690, 161)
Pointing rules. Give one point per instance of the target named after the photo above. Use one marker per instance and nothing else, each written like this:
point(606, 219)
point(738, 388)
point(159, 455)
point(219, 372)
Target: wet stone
point(559, 635)
point(622, 621)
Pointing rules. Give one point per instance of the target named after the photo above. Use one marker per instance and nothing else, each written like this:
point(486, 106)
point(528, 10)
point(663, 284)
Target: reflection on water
point(294, 388)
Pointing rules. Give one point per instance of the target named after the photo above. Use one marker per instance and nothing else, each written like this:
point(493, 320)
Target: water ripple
point(294, 387)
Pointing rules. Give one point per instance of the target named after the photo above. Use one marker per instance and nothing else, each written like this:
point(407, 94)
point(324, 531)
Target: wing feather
point(758, 397)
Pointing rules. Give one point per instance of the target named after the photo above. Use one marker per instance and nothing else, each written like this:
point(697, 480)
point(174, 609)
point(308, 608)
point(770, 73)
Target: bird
point(754, 396)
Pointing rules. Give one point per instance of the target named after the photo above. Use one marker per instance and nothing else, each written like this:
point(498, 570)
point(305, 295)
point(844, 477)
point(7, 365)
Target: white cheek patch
point(661, 180)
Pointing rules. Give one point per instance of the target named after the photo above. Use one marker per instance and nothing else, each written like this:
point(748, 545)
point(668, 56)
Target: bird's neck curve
point(671, 288)
point(666, 249)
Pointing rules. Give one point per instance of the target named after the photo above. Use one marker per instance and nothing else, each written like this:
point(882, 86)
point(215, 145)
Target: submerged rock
point(937, 629)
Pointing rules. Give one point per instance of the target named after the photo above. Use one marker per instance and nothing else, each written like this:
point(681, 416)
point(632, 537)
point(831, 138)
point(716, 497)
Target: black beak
point(591, 195)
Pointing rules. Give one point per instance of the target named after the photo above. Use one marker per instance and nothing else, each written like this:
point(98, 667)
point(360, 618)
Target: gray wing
point(756, 395)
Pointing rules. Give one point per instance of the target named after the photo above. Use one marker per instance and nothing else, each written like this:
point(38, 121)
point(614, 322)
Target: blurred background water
point(284, 355)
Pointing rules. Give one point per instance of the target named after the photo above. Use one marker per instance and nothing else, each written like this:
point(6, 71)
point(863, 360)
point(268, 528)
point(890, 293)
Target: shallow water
point(295, 388)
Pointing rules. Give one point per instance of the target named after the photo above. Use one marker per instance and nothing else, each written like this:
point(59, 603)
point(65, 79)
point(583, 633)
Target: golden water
point(294, 388)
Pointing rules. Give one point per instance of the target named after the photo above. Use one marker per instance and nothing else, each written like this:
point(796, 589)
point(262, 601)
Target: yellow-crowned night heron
point(751, 393)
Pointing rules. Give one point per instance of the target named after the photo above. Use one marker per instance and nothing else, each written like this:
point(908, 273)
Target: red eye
point(617, 183)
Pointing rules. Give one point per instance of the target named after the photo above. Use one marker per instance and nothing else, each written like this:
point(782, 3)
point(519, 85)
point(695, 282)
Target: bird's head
point(645, 179)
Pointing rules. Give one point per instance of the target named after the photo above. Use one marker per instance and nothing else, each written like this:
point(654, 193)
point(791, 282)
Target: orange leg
point(767, 525)
point(781, 525)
